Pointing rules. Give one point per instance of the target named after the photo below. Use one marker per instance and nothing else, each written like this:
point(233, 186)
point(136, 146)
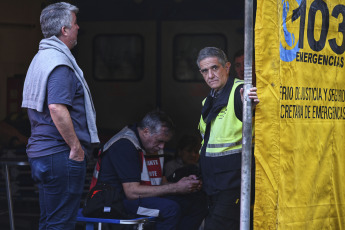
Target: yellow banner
point(300, 121)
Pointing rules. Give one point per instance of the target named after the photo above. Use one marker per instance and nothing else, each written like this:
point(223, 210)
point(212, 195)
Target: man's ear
point(146, 132)
point(227, 66)
point(64, 31)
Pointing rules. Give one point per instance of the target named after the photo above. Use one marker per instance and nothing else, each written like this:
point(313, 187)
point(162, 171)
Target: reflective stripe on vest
point(224, 145)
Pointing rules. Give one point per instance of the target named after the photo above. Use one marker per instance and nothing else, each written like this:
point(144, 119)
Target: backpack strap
point(97, 168)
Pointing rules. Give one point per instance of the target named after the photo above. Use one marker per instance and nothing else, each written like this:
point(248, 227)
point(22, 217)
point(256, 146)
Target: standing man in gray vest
point(62, 117)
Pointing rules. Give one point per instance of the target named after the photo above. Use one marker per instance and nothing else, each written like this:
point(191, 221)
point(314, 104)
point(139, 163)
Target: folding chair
point(91, 221)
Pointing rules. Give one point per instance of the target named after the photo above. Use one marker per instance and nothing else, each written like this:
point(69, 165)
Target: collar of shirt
point(215, 93)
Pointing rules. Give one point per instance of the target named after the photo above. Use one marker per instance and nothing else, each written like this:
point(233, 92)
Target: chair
point(91, 221)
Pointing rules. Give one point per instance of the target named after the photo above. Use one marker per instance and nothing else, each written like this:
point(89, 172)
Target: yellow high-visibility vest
point(226, 129)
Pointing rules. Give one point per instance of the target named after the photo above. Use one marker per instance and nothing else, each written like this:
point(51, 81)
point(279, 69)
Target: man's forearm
point(134, 190)
point(63, 122)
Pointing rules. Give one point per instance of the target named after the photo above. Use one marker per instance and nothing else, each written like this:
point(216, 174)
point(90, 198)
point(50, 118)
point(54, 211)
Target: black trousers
point(224, 210)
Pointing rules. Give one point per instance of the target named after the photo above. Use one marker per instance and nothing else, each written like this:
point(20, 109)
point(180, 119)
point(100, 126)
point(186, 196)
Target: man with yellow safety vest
point(221, 128)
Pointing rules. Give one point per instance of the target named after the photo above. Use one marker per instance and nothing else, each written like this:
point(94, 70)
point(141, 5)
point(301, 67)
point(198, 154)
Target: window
point(118, 57)
point(186, 49)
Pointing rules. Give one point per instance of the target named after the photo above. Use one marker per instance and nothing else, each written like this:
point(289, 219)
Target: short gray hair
point(212, 52)
point(155, 121)
point(56, 16)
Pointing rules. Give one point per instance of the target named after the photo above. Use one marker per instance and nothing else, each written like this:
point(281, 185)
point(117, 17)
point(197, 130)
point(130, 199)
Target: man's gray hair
point(212, 52)
point(56, 16)
point(156, 120)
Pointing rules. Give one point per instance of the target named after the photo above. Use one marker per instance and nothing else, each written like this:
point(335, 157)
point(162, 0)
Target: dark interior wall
point(124, 16)
point(19, 37)
point(19, 41)
point(104, 10)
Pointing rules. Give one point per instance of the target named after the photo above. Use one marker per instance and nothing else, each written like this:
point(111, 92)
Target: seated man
point(131, 164)
point(186, 159)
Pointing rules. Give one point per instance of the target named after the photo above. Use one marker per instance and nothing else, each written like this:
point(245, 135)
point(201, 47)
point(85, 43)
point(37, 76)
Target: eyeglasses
point(214, 69)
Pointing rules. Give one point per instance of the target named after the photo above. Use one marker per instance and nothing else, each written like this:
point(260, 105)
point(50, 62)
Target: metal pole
point(9, 197)
point(247, 118)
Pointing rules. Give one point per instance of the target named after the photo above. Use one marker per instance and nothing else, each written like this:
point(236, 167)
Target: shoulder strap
point(97, 168)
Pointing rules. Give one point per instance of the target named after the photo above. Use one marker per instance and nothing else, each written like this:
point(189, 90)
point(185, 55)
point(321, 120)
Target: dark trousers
point(183, 212)
point(224, 210)
point(61, 183)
